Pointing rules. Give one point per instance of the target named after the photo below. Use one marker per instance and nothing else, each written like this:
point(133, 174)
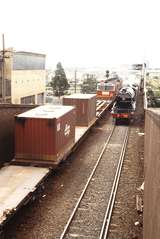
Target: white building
point(23, 78)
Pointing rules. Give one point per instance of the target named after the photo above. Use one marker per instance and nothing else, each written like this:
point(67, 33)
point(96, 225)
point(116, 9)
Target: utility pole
point(3, 70)
point(75, 81)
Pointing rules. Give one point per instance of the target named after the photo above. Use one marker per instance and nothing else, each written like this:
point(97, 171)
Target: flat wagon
point(43, 137)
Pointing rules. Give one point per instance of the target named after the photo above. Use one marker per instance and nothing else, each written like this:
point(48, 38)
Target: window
point(8, 87)
point(28, 100)
point(40, 98)
point(109, 87)
point(101, 86)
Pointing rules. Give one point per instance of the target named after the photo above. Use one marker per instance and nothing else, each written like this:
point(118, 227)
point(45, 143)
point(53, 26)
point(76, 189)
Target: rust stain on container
point(44, 133)
point(85, 107)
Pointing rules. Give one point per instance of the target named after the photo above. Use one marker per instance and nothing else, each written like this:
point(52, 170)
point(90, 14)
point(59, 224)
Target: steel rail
point(108, 214)
point(86, 186)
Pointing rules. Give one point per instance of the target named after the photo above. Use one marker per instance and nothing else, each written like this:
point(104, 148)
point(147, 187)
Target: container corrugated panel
point(45, 133)
point(85, 107)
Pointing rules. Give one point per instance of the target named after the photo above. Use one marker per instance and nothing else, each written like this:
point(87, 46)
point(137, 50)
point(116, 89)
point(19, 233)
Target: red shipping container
point(45, 133)
point(85, 105)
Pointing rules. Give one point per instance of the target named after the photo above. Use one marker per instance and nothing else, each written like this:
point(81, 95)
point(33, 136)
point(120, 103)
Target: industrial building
point(22, 77)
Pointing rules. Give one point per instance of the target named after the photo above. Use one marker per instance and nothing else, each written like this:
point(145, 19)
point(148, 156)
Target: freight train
point(125, 104)
point(44, 136)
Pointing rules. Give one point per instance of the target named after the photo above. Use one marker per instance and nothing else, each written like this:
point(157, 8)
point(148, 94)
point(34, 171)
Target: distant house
point(24, 78)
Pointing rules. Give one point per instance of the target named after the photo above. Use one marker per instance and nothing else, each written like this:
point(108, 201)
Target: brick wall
point(7, 113)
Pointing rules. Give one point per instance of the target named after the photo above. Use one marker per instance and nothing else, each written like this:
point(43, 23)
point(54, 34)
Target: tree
point(59, 82)
point(89, 84)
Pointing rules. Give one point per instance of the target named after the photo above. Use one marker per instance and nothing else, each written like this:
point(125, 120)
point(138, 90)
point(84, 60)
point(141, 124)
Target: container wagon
point(18, 185)
point(44, 134)
point(43, 137)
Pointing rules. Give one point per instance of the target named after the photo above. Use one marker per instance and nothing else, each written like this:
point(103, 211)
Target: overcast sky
point(84, 32)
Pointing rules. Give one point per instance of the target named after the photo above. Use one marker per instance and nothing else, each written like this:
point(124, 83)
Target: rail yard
point(79, 120)
point(75, 171)
point(74, 194)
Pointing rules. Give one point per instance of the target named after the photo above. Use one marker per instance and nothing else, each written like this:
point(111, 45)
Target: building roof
point(47, 112)
point(28, 61)
point(29, 53)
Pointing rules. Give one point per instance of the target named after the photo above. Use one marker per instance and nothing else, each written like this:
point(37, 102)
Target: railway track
point(91, 216)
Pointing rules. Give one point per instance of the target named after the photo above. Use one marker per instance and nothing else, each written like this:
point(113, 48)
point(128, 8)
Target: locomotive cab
point(106, 91)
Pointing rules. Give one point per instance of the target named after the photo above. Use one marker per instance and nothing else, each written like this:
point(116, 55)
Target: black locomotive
point(125, 104)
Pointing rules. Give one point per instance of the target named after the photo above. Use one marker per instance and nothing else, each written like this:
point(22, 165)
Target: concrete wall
point(7, 113)
point(152, 175)
point(26, 83)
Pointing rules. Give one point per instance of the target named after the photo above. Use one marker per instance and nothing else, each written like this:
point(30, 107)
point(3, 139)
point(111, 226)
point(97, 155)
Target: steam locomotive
point(125, 104)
